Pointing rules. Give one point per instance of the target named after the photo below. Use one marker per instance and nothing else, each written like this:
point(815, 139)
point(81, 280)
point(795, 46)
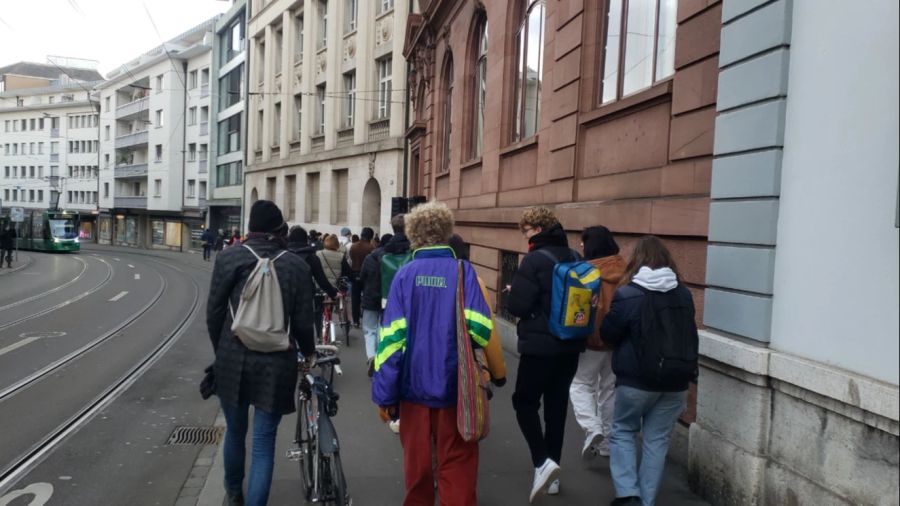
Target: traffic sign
point(17, 214)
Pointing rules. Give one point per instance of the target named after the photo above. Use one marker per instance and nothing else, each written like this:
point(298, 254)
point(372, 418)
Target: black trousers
point(6, 255)
point(355, 297)
point(546, 377)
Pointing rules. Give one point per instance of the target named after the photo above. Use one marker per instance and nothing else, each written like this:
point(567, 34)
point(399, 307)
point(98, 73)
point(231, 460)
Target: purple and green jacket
point(416, 356)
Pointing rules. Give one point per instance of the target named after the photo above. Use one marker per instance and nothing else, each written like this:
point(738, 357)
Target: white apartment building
point(326, 110)
point(155, 126)
point(227, 139)
point(49, 141)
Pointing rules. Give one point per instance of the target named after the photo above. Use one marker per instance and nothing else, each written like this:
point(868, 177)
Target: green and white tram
point(46, 230)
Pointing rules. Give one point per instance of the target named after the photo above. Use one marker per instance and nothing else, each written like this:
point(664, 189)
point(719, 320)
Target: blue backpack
point(574, 284)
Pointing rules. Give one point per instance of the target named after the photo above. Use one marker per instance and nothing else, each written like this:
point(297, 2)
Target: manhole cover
point(196, 436)
point(41, 335)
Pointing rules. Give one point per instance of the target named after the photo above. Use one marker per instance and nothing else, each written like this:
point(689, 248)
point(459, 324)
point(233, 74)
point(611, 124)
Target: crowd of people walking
point(615, 337)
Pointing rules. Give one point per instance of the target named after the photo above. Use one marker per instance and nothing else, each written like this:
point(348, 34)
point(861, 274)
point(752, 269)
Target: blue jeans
point(371, 321)
point(265, 426)
point(654, 415)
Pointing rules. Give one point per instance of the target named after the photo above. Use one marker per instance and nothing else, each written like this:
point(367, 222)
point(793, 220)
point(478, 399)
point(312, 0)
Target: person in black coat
point(646, 405)
point(7, 244)
point(209, 239)
point(244, 378)
point(370, 277)
point(298, 244)
point(546, 364)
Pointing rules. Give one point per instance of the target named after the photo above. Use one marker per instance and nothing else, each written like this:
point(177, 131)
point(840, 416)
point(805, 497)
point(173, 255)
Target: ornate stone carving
point(298, 76)
point(321, 64)
point(349, 48)
point(384, 31)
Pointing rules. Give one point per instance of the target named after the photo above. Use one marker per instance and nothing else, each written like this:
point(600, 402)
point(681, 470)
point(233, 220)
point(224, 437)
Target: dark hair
point(398, 224)
point(459, 247)
point(298, 235)
point(367, 234)
point(649, 252)
point(598, 242)
point(386, 238)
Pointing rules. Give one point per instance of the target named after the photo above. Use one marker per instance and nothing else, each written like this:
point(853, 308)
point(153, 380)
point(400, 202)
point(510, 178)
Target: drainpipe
point(96, 225)
point(184, 66)
point(406, 124)
point(246, 99)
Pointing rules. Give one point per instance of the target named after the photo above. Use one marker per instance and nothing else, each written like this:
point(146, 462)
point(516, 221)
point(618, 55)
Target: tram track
point(99, 286)
point(50, 291)
point(21, 465)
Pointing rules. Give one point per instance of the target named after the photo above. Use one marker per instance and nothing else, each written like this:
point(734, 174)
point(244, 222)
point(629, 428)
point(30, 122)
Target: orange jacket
point(493, 351)
point(611, 270)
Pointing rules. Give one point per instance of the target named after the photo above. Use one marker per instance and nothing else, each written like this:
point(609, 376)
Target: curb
point(204, 486)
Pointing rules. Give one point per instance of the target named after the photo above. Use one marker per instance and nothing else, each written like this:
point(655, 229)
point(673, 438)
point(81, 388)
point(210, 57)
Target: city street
point(101, 353)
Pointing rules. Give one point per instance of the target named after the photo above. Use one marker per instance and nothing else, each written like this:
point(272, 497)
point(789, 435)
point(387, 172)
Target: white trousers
point(593, 392)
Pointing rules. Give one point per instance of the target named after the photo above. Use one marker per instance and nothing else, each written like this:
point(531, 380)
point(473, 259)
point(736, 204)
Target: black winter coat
point(529, 297)
point(370, 274)
point(7, 239)
point(265, 380)
point(308, 254)
point(621, 328)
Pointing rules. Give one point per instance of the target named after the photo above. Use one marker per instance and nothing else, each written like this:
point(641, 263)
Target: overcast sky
point(112, 32)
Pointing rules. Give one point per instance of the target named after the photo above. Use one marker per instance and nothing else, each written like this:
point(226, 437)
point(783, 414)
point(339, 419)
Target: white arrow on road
point(137, 276)
point(119, 296)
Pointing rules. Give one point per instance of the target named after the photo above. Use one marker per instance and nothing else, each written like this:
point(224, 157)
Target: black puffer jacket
point(529, 297)
point(370, 274)
point(308, 253)
point(265, 380)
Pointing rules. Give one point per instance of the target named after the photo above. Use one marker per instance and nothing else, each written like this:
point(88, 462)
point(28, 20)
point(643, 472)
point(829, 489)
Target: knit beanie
point(265, 217)
point(298, 235)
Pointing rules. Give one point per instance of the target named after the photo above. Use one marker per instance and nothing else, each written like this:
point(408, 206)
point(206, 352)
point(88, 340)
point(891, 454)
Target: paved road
point(120, 456)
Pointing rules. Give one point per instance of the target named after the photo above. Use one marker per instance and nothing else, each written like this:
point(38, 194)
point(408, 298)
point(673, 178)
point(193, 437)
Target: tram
point(46, 230)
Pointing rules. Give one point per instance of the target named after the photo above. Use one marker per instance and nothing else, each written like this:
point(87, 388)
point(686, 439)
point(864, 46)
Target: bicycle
point(338, 306)
point(318, 451)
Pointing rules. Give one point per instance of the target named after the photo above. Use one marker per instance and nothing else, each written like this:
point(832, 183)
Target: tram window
point(62, 229)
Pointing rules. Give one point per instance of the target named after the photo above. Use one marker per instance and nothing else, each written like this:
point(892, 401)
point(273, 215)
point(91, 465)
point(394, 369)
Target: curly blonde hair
point(537, 217)
point(429, 224)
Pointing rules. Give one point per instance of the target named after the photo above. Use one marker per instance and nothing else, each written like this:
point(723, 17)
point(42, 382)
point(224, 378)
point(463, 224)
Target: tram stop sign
point(16, 214)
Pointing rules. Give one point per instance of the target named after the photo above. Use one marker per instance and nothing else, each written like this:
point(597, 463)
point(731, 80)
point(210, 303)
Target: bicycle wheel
point(306, 442)
point(333, 476)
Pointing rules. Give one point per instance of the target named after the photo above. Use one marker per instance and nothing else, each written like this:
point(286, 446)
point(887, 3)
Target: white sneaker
point(602, 449)
point(590, 443)
point(543, 475)
point(553, 488)
point(394, 425)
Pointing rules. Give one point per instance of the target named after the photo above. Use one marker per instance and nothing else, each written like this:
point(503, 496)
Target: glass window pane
point(665, 48)
point(520, 71)
point(638, 69)
point(613, 41)
point(533, 69)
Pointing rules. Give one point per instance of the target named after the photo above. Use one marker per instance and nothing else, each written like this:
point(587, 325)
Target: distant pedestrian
point(547, 363)
point(370, 277)
point(416, 361)
point(209, 240)
point(386, 238)
point(220, 241)
point(7, 244)
point(265, 380)
point(298, 244)
point(594, 386)
point(344, 239)
point(355, 257)
point(332, 261)
point(651, 326)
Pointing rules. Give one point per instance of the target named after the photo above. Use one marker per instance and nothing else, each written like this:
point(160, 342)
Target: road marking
point(16, 346)
point(40, 492)
point(129, 265)
point(137, 276)
point(116, 259)
point(119, 296)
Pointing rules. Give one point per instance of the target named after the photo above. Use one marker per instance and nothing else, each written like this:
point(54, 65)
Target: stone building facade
point(325, 113)
point(752, 149)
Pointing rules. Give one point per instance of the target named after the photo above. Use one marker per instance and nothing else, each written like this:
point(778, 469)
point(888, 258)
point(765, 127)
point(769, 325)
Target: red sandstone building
point(511, 109)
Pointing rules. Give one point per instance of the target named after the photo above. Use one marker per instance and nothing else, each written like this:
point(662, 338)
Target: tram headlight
point(56, 240)
point(77, 240)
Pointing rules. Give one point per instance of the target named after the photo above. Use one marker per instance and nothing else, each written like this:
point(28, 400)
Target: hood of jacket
point(552, 236)
point(658, 280)
point(611, 268)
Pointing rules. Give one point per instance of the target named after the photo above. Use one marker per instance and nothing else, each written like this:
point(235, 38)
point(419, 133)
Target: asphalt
point(121, 455)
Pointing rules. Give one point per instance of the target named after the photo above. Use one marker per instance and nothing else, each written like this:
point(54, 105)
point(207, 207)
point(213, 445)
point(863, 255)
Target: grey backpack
point(259, 322)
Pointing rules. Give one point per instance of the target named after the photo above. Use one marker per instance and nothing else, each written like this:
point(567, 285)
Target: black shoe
point(234, 499)
point(626, 501)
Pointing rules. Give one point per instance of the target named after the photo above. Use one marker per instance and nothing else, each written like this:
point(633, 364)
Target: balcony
point(204, 90)
point(135, 139)
point(204, 128)
point(345, 137)
point(379, 129)
point(202, 167)
point(133, 109)
point(131, 202)
point(317, 143)
point(136, 170)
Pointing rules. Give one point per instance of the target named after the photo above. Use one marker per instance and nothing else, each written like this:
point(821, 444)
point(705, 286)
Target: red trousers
point(457, 460)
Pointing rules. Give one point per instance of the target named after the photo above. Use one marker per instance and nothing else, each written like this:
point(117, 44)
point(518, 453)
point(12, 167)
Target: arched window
point(529, 67)
point(446, 125)
point(479, 84)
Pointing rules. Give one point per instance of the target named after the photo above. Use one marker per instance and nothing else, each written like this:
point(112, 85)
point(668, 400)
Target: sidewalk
point(372, 456)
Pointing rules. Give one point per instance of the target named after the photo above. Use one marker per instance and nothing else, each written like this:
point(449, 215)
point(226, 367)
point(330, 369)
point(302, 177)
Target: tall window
point(276, 126)
point(384, 87)
point(323, 23)
point(312, 197)
point(350, 98)
point(298, 46)
point(290, 197)
point(530, 66)
point(479, 85)
point(340, 179)
point(385, 5)
point(648, 52)
point(447, 112)
point(349, 15)
point(279, 42)
point(320, 110)
point(298, 118)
